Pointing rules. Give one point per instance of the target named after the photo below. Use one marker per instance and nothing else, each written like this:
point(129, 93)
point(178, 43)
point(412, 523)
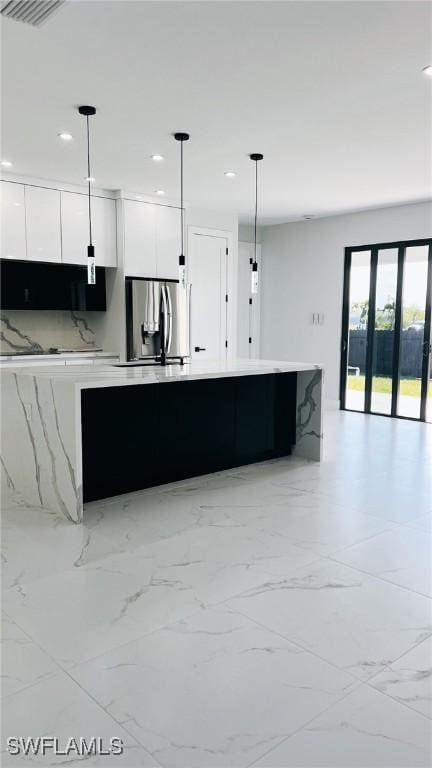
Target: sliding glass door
point(386, 330)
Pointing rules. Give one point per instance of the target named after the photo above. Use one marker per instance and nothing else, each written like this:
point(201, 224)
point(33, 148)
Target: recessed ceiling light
point(308, 216)
point(90, 179)
point(427, 70)
point(6, 164)
point(65, 136)
point(157, 158)
point(160, 191)
point(230, 174)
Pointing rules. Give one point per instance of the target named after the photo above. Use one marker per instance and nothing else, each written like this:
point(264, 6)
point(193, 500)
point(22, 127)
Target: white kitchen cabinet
point(168, 228)
point(75, 229)
point(139, 239)
point(105, 231)
point(13, 227)
point(42, 212)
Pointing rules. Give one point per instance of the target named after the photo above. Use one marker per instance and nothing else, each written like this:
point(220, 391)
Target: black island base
point(145, 435)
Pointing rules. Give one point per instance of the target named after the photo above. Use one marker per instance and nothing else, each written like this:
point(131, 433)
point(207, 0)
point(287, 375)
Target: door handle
point(200, 349)
point(427, 349)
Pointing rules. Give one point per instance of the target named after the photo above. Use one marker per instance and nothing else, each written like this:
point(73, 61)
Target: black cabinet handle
point(200, 349)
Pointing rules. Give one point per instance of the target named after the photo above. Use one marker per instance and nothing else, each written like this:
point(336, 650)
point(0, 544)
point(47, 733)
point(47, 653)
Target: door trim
point(370, 342)
point(427, 340)
point(397, 331)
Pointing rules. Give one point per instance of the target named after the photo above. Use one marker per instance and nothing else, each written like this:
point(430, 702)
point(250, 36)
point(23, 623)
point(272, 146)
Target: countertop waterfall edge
point(41, 422)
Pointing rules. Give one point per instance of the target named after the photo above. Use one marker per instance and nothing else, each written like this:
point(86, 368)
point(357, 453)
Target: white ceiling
point(331, 93)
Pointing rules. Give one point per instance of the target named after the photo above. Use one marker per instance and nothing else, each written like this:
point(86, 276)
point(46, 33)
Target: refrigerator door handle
point(170, 318)
point(165, 319)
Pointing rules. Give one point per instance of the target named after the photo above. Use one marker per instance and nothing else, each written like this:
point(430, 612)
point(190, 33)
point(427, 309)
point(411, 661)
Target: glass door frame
point(374, 249)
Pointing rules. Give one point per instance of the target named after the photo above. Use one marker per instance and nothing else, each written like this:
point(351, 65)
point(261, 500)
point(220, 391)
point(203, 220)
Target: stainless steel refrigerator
point(157, 319)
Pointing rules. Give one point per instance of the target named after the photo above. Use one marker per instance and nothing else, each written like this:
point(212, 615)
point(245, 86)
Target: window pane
point(385, 310)
point(412, 334)
point(357, 333)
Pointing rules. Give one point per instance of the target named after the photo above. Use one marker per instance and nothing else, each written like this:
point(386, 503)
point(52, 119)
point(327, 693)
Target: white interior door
point(248, 315)
point(208, 277)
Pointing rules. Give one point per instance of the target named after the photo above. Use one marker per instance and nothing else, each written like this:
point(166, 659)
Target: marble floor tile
point(307, 520)
point(23, 662)
point(423, 523)
point(382, 497)
point(364, 730)
point(402, 556)
point(216, 562)
point(357, 622)
point(409, 679)
point(36, 543)
point(87, 611)
point(119, 598)
point(133, 520)
point(197, 693)
point(59, 707)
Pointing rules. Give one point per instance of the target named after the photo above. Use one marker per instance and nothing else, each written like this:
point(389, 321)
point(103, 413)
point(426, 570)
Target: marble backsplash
point(25, 330)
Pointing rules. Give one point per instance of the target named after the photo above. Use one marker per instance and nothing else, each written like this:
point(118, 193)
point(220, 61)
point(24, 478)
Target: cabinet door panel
point(196, 428)
point(140, 239)
point(168, 230)
point(42, 207)
point(75, 229)
point(104, 231)
point(119, 431)
point(255, 423)
point(13, 231)
point(32, 285)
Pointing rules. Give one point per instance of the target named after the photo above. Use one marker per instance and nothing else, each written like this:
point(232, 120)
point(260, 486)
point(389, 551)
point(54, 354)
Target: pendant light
point(91, 261)
point(254, 274)
point(182, 137)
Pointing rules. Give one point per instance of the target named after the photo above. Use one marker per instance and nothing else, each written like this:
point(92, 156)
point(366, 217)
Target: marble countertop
point(71, 354)
point(87, 377)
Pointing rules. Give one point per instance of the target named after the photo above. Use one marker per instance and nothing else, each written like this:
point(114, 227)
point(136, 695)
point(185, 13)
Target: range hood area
point(32, 285)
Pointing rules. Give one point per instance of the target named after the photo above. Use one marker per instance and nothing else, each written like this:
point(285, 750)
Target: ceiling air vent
point(34, 12)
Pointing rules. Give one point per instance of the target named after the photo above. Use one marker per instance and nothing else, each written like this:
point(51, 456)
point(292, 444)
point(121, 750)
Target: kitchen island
point(70, 436)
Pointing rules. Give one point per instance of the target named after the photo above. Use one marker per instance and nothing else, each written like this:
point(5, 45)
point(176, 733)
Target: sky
point(415, 277)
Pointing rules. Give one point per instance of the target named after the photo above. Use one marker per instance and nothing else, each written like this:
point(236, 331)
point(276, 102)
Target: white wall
point(303, 273)
point(246, 233)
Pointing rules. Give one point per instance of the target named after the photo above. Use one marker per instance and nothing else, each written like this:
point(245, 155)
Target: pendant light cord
point(181, 137)
point(256, 210)
point(181, 196)
point(89, 177)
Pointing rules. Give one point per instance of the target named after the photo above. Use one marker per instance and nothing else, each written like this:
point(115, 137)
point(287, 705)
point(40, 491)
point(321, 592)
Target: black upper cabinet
point(33, 285)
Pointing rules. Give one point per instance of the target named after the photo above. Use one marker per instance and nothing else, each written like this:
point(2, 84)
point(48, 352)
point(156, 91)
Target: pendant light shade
point(91, 261)
point(182, 137)
point(255, 157)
